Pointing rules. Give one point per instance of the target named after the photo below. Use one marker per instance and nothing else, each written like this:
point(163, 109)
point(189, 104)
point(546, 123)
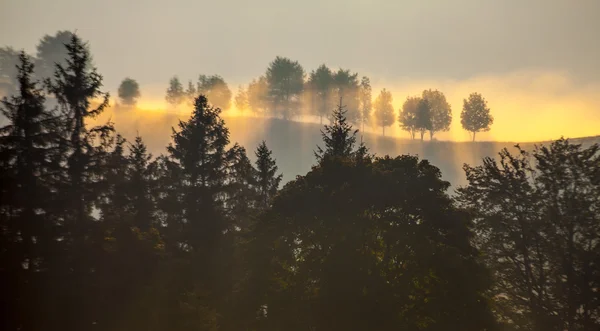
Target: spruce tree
point(25, 144)
point(267, 180)
point(76, 87)
point(339, 138)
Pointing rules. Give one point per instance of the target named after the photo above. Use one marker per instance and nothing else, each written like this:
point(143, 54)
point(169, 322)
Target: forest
point(96, 233)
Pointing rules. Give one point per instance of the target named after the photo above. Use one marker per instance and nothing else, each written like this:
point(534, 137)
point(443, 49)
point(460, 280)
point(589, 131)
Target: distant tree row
point(286, 91)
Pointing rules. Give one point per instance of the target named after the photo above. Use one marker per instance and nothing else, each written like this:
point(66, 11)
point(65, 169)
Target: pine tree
point(240, 187)
point(75, 86)
point(267, 180)
point(199, 152)
point(338, 137)
point(24, 160)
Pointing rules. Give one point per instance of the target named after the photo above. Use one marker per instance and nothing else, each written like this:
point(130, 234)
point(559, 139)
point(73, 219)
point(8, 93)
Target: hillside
point(293, 143)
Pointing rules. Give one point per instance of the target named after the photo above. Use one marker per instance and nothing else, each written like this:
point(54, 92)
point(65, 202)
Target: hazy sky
point(389, 40)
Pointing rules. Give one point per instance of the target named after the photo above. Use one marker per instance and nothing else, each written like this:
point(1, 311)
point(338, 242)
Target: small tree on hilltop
point(423, 117)
point(384, 111)
point(475, 116)
point(408, 116)
point(241, 100)
point(129, 91)
point(175, 93)
point(441, 111)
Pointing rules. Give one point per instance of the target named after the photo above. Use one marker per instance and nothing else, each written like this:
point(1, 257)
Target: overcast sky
point(152, 40)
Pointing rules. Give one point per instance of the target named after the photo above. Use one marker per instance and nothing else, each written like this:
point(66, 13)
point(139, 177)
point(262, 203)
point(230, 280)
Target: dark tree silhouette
point(75, 86)
point(384, 111)
point(423, 121)
point(129, 91)
point(321, 87)
point(408, 116)
point(536, 219)
point(25, 177)
point(365, 99)
point(267, 180)
point(216, 90)
point(339, 137)
point(175, 93)
point(285, 79)
point(440, 111)
point(475, 116)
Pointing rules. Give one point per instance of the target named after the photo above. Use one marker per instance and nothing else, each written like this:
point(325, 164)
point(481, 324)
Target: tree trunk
point(430, 135)
point(422, 135)
point(474, 136)
point(383, 130)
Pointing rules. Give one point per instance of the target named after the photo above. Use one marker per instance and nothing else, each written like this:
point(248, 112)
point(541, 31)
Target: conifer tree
point(76, 87)
point(267, 180)
point(339, 138)
point(25, 144)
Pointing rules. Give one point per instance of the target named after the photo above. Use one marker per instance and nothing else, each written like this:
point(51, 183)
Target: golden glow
point(527, 106)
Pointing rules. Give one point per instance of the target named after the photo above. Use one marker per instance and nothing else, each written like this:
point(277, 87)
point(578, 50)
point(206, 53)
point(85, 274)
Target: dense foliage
point(96, 233)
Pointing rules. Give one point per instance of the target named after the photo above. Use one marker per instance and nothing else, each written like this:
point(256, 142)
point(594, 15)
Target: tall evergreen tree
point(267, 180)
point(76, 86)
point(339, 138)
point(25, 241)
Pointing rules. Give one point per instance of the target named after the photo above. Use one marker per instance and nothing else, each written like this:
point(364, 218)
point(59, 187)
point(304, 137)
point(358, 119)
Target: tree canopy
point(129, 91)
point(216, 90)
point(285, 79)
point(384, 110)
point(475, 116)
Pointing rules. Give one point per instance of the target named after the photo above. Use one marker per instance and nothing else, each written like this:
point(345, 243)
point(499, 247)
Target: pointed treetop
point(339, 138)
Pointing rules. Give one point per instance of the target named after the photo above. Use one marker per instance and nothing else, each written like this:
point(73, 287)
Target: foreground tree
point(384, 111)
point(285, 79)
point(25, 167)
point(364, 102)
point(537, 223)
point(440, 111)
point(76, 87)
point(175, 94)
point(216, 91)
point(129, 92)
point(267, 180)
point(196, 172)
point(397, 256)
point(475, 116)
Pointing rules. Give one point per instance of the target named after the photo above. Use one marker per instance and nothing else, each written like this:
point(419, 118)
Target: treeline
point(96, 233)
point(287, 91)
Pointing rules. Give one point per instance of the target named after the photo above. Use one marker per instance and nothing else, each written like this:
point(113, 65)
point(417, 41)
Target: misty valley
point(282, 206)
